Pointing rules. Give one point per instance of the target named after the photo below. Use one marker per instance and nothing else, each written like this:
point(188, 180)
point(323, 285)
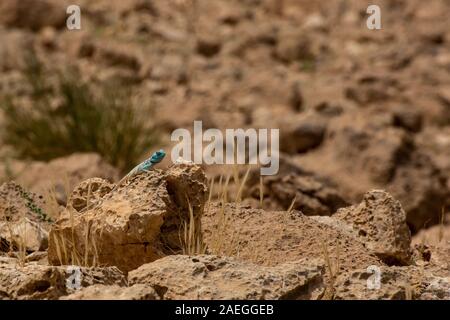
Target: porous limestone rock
point(114, 292)
point(34, 281)
point(212, 277)
point(380, 223)
point(23, 222)
point(137, 223)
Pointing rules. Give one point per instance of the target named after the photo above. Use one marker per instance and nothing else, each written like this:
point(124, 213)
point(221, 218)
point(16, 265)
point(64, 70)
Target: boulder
point(88, 192)
point(275, 237)
point(380, 283)
point(436, 288)
point(187, 187)
point(34, 281)
point(380, 223)
point(293, 186)
point(23, 222)
point(138, 222)
point(391, 283)
point(364, 152)
point(306, 193)
point(207, 277)
point(114, 292)
point(301, 133)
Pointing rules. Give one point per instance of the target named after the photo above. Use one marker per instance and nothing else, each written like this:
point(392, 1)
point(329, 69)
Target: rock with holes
point(33, 281)
point(306, 193)
point(275, 237)
point(187, 185)
point(88, 192)
point(24, 223)
point(379, 283)
point(436, 288)
point(391, 283)
point(137, 223)
point(114, 292)
point(380, 222)
point(212, 277)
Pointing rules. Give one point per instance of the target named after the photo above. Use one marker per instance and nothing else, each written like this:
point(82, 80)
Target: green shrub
point(107, 123)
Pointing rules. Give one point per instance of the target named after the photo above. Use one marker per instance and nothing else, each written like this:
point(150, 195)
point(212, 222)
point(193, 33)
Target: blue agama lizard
point(145, 166)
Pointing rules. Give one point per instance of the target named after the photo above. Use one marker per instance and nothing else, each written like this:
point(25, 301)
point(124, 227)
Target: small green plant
point(34, 208)
point(308, 65)
point(106, 122)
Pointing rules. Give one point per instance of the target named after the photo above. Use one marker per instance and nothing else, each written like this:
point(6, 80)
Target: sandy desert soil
point(356, 211)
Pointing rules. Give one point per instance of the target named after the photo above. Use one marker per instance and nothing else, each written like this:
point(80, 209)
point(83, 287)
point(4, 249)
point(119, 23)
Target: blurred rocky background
point(357, 110)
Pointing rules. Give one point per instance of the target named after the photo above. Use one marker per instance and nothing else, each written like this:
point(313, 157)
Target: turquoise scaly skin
point(156, 157)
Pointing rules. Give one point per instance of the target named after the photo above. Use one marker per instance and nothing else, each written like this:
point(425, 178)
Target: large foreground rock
point(212, 277)
point(114, 292)
point(391, 283)
point(380, 222)
point(23, 222)
point(34, 281)
point(137, 223)
point(275, 237)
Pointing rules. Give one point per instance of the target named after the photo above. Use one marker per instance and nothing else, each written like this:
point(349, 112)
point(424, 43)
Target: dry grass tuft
point(192, 237)
point(66, 248)
point(226, 235)
point(51, 206)
point(332, 270)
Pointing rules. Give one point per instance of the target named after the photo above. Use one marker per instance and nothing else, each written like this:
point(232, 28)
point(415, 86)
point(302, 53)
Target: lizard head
point(154, 159)
point(157, 156)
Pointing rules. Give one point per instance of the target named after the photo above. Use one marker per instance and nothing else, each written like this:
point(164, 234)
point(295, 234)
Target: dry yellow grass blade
point(261, 192)
point(192, 239)
point(291, 207)
point(241, 187)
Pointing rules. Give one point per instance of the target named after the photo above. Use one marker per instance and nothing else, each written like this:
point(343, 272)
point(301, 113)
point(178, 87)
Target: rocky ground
point(357, 210)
